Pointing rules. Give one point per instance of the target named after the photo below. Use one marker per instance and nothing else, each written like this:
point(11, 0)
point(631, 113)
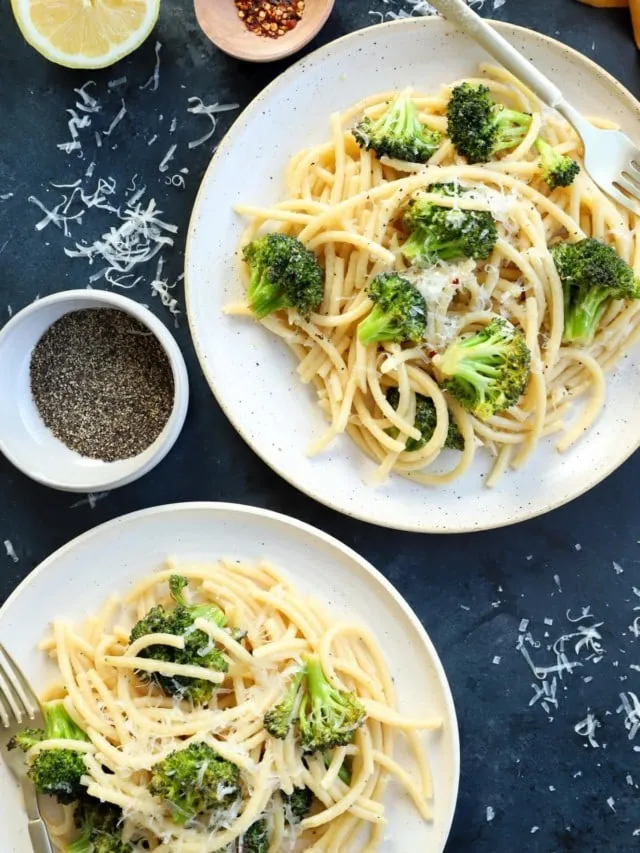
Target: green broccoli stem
point(375, 327)
point(264, 297)
point(581, 321)
point(278, 720)
point(470, 361)
point(401, 118)
point(59, 725)
point(210, 612)
point(83, 843)
point(512, 127)
point(551, 159)
point(320, 690)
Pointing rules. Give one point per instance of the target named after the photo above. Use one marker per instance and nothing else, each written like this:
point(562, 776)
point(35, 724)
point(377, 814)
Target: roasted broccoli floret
point(56, 772)
point(425, 421)
point(446, 233)
point(256, 838)
point(193, 781)
point(283, 274)
point(198, 648)
point(99, 825)
point(278, 720)
point(487, 372)
point(399, 312)
point(557, 169)
point(398, 133)
point(592, 274)
point(478, 127)
point(297, 804)
point(327, 717)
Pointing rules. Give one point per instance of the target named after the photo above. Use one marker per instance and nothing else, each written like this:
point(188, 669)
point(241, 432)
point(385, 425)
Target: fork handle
point(479, 31)
point(39, 836)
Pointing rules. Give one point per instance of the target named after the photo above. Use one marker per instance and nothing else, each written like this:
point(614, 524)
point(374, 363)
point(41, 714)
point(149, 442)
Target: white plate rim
point(243, 509)
point(525, 515)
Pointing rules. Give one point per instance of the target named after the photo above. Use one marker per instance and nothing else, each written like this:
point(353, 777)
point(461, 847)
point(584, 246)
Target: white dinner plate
point(75, 580)
point(253, 374)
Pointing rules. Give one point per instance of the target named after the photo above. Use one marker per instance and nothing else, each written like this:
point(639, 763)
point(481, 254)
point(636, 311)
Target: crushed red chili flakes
point(270, 18)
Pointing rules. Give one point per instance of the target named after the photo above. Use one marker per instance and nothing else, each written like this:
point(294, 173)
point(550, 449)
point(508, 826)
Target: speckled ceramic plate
point(253, 375)
point(76, 580)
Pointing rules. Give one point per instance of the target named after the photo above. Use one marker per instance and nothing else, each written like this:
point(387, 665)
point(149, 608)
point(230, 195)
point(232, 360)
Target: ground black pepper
point(270, 18)
point(102, 383)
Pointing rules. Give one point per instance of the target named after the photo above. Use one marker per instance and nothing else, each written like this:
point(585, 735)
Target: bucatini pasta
point(132, 725)
point(343, 203)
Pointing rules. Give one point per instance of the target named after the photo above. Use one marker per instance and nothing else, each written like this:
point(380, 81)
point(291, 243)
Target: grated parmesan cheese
point(631, 708)
point(154, 81)
point(164, 164)
point(160, 287)
point(11, 552)
point(116, 121)
point(587, 728)
point(91, 500)
point(200, 108)
point(139, 238)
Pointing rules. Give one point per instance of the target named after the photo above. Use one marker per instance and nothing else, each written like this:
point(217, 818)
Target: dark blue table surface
point(545, 786)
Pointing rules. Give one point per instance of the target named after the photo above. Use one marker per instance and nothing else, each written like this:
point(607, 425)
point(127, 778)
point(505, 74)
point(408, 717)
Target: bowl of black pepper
point(93, 390)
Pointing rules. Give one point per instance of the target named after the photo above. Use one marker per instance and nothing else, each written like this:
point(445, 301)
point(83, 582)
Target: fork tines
point(17, 700)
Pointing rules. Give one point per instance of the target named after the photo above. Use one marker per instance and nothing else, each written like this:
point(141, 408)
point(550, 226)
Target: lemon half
point(85, 33)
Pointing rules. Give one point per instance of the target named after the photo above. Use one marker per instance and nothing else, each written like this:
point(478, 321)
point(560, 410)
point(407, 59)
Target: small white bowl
point(29, 444)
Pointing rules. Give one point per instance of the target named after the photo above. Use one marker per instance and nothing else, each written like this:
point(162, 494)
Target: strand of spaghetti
point(358, 783)
point(537, 390)
point(532, 132)
point(339, 157)
point(359, 308)
point(500, 465)
point(390, 717)
point(109, 703)
point(281, 649)
point(160, 639)
point(340, 422)
point(102, 619)
point(335, 767)
point(592, 410)
point(75, 695)
point(59, 743)
point(362, 806)
point(324, 344)
point(359, 241)
point(424, 770)
point(407, 783)
point(277, 825)
point(223, 638)
point(165, 668)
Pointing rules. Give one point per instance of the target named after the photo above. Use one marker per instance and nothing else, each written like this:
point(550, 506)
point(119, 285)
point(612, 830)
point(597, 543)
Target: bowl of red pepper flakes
point(262, 30)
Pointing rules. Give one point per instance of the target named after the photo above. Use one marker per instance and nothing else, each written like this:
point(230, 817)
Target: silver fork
point(611, 158)
point(19, 708)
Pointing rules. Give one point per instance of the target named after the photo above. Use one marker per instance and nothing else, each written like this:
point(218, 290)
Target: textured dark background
point(471, 592)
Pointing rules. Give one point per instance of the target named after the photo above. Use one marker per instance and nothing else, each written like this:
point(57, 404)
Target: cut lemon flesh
point(85, 33)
